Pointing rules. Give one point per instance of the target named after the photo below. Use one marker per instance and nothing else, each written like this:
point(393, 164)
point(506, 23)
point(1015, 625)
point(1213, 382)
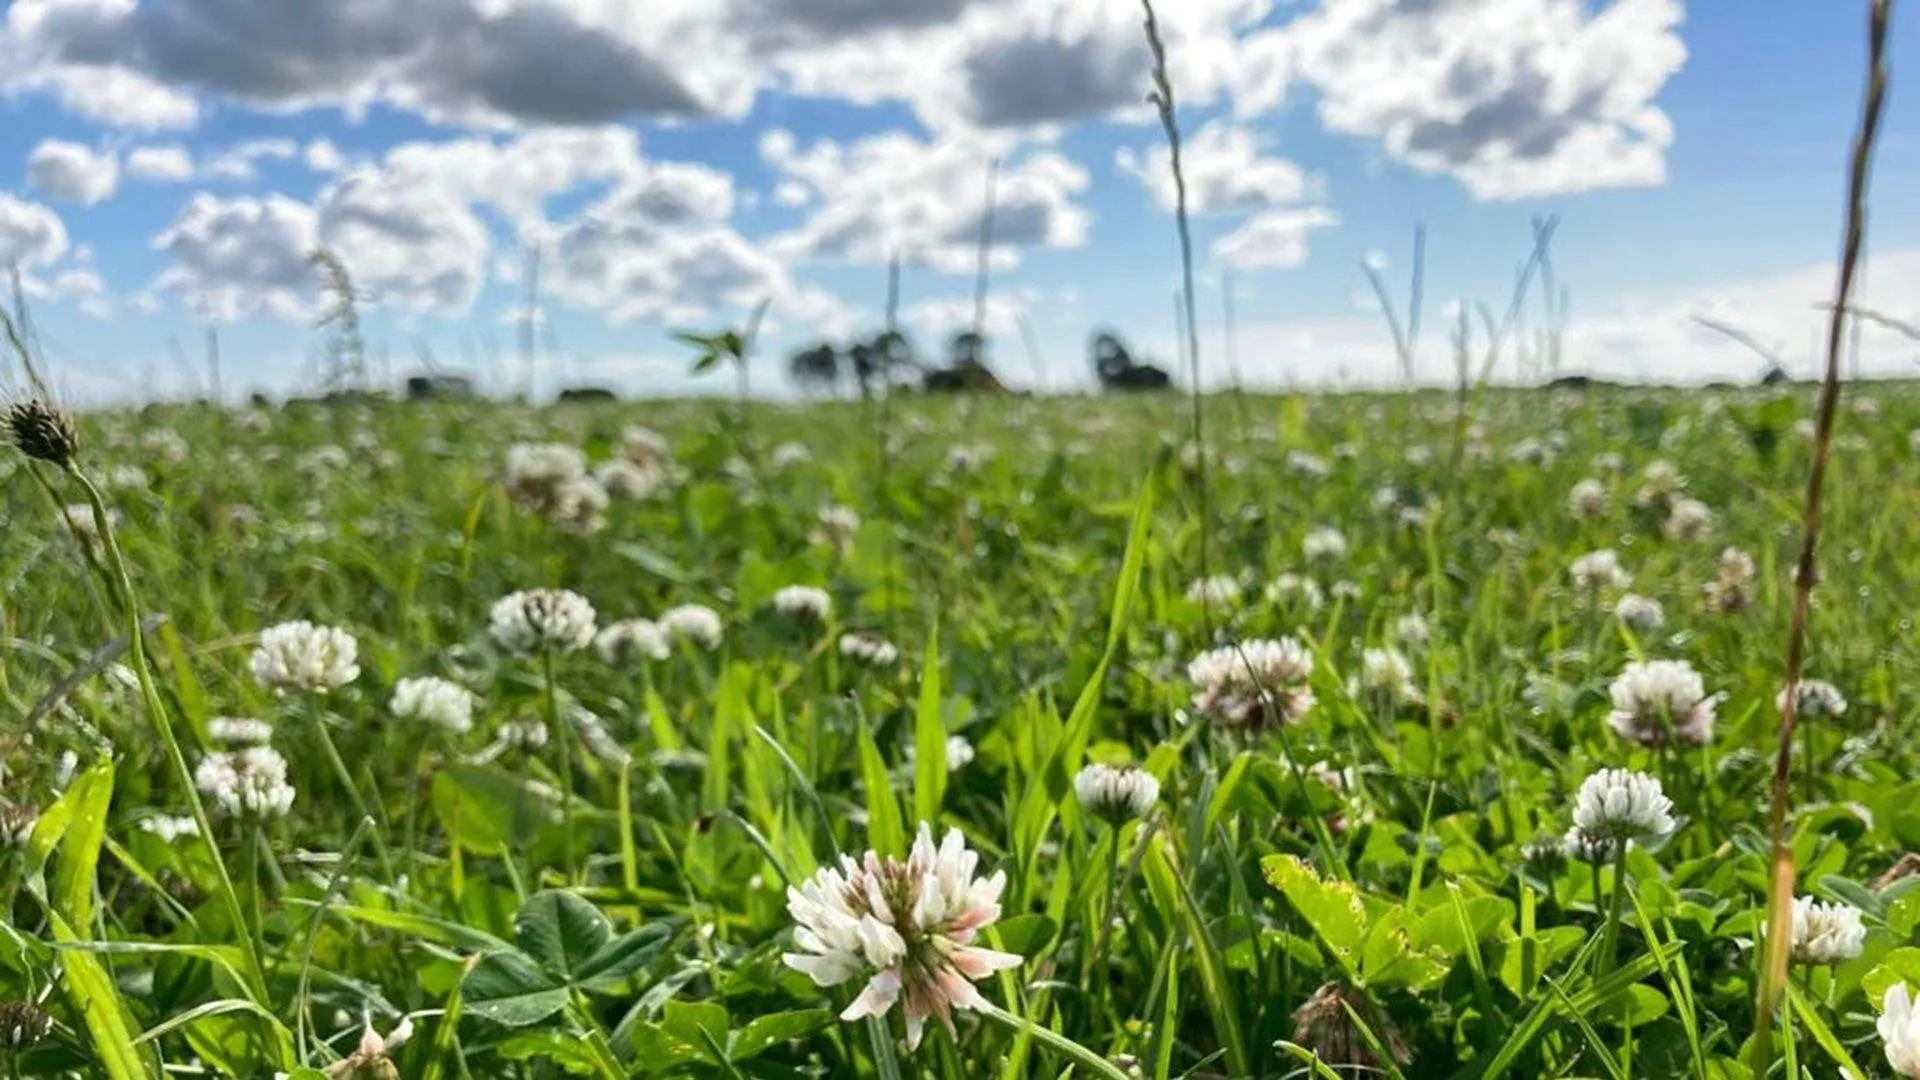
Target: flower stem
point(1093, 1063)
point(563, 736)
point(162, 723)
point(316, 715)
point(1610, 944)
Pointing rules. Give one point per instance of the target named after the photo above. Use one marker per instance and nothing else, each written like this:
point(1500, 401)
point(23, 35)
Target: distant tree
point(1116, 368)
point(816, 368)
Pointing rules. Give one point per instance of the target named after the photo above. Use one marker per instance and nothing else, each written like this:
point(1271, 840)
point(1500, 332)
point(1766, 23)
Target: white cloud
point(415, 245)
point(240, 163)
point(238, 257)
point(323, 157)
point(518, 176)
point(1227, 169)
point(926, 200)
point(166, 164)
point(70, 171)
point(30, 234)
point(1273, 239)
point(948, 315)
point(1515, 98)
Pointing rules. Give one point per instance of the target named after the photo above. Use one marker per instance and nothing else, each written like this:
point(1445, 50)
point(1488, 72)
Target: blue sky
point(166, 168)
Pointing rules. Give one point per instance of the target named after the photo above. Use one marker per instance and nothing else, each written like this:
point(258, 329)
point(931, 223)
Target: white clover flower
point(1581, 846)
point(839, 525)
point(304, 656)
point(907, 926)
point(622, 479)
point(527, 733)
point(959, 753)
point(1419, 454)
point(1659, 483)
point(803, 603)
point(1733, 589)
point(696, 623)
point(1688, 519)
point(239, 731)
point(1220, 590)
point(249, 782)
point(629, 641)
point(169, 827)
point(1255, 683)
point(1899, 1027)
point(1662, 702)
point(1618, 804)
point(1307, 465)
point(435, 702)
point(1530, 451)
point(1642, 613)
point(969, 457)
point(536, 473)
point(1287, 588)
point(1386, 498)
point(1411, 630)
point(579, 506)
point(1387, 677)
point(370, 1058)
point(644, 446)
point(1588, 499)
point(1343, 589)
point(788, 454)
point(1610, 462)
point(869, 648)
point(1324, 542)
point(1815, 699)
point(542, 620)
point(1598, 570)
point(164, 444)
point(1114, 794)
point(1826, 933)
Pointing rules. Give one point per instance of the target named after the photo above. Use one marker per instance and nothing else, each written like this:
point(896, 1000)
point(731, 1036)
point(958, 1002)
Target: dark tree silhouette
point(1113, 362)
point(817, 368)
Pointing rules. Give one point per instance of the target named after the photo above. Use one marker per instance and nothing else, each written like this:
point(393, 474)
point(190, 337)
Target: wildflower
point(248, 782)
point(1899, 1027)
point(1116, 795)
point(1588, 499)
point(305, 656)
point(631, 640)
point(1256, 683)
point(1733, 589)
point(1600, 569)
point(16, 824)
point(1220, 590)
point(694, 622)
point(1618, 804)
point(1688, 519)
point(1544, 854)
point(622, 479)
point(1530, 451)
point(789, 454)
point(536, 472)
point(803, 603)
point(959, 753)
point(1411, 629)
point(1330, 1025)
point(579, 506)
point(1386, 498)
point(1386, 677)
point(838, 527)
point(542, 620)
point(239, 731)
point(435, 702)
point(1582, 846)
point(1814, 699)
point(1826, 933)
point(1344, 590)
point(42, 432)
point(908, 926)
point(1658, 702)
point(22, 1025)
point(165, 445)
point(1324, 543)
point(526, 734)
point(869, 648)
point(371, 1059)
point(1641, 613)
point(169, 827)
point(1287, 587)
point(1659, 483)
point(644, 446)
point(1307, 465)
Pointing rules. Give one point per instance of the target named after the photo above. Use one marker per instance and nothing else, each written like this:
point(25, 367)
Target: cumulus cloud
point(926, 200)
point(518, 176)
point(241, 163)
point(164, 164)
point(415, 245)
point(30, 234)
point(239, 257)
point(1515, 98)
point(70, 171)
point(1228, 171)
point(1273, 239)
point(506, 61)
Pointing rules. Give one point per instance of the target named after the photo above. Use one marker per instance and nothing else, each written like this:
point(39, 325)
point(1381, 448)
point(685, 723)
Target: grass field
point(1356, 831)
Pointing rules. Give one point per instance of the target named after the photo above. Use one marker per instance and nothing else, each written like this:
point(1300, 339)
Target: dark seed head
point(22, 1024)
point(1326, 1024)
point(41, 431)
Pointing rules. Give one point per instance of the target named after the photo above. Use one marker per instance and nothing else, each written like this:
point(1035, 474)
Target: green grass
point(1038, 602)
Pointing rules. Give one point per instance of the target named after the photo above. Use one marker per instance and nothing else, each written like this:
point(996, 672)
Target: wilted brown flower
point(42, 432)
point(1329, 1025)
